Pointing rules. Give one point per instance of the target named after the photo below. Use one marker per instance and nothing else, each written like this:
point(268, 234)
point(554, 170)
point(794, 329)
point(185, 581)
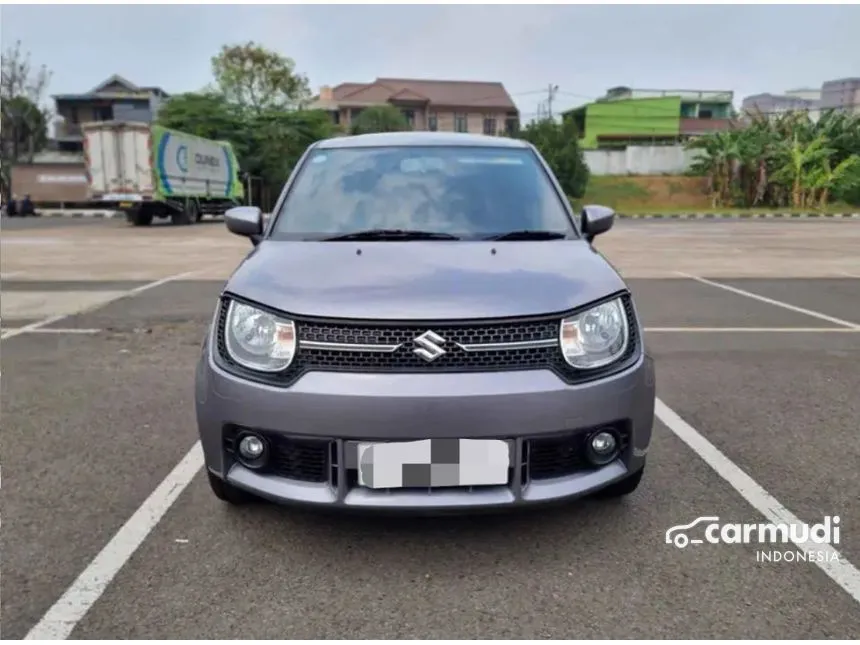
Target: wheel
point(189, 215)
point(227, 492)
point(623, 487)
point(139, 218)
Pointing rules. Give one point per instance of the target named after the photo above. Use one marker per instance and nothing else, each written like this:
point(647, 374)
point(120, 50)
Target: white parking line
point(771, 301)
point(61, 619)
point(754, 330)
point(838, 569)
point(127, 294)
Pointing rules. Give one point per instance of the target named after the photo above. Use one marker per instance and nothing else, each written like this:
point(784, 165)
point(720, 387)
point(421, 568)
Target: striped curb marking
point(110, 214)
point(741, 216)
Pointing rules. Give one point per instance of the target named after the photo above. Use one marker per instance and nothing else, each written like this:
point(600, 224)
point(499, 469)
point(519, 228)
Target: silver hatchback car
point(423, 325)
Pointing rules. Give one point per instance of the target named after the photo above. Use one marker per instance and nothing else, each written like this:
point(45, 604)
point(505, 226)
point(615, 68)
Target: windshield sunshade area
point(470, 193)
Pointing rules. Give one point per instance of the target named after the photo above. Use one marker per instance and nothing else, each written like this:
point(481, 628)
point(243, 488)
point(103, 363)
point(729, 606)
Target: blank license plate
point(433, 463)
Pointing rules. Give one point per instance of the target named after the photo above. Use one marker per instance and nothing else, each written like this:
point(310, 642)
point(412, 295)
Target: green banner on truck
point(189, 166)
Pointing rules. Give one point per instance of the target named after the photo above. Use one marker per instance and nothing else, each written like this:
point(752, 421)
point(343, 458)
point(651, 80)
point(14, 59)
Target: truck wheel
point(139, 218)
point(189, 214)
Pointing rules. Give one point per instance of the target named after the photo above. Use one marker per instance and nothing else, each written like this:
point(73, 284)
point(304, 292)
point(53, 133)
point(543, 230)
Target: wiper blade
point(390, 234)
point(528, 235)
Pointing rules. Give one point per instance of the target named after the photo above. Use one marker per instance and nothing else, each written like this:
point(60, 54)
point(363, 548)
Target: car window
point(468, 192)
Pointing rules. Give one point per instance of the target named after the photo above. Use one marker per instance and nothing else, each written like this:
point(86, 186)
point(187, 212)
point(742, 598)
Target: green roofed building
point(628, 116)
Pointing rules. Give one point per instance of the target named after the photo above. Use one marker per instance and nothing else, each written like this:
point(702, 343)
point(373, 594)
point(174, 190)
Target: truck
point(148, 171)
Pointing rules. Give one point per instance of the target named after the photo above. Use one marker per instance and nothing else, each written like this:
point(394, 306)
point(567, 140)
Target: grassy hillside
point(629, 195)
point(647, 193)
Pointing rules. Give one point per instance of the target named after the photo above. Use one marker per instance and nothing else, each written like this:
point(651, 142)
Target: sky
point(583, 49)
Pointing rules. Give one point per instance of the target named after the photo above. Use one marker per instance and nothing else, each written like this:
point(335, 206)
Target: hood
point(419, 280)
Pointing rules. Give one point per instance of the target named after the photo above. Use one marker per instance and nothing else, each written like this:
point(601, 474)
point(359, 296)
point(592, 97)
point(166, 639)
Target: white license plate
point(432, 463)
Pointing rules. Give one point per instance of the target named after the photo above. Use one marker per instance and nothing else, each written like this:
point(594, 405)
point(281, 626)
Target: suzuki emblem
point(429, 346)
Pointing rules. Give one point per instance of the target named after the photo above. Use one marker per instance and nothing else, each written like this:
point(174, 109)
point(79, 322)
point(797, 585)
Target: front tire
point(624, 487)
point(227, 492)
point(139, 217)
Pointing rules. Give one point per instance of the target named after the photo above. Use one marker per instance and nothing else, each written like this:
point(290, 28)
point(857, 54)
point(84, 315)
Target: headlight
point(257, 339)
point(595, 337)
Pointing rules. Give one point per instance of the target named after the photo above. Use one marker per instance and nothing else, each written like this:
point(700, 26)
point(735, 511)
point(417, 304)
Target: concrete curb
point(103, 214)
point(741, 216)
point(107, 214)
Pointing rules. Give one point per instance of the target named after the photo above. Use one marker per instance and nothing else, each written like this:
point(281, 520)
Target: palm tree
point(720, 154)
point(784, 160)
point(825, 179)
point(798, 159)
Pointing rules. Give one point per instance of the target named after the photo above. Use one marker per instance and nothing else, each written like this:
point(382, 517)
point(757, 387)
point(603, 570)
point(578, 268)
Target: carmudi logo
point(812, 541)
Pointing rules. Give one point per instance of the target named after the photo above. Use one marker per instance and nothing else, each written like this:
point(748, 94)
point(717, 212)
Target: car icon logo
point(680, 539)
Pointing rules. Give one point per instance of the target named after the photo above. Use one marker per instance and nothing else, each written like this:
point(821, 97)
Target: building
point(776, 104)
point(57, 176)
point(53, 179)
point(628, 116)
point(116, 99)
point(842, 94)
point(446, 106)
point(808, 93)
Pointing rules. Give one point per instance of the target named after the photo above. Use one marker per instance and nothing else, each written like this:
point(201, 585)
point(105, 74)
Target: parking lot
point(110, 529)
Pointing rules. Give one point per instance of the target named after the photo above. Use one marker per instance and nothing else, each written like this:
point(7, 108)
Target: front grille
point(389, 347)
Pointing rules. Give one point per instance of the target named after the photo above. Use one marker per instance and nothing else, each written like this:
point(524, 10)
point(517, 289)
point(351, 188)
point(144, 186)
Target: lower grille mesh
point(315, 459)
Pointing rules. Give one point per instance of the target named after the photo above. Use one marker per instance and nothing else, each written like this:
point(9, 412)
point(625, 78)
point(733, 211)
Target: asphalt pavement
point(37, 223)
point(95, 421)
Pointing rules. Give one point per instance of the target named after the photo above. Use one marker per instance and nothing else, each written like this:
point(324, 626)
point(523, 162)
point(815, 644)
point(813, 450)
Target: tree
point(204, 114)
point(258, 79)
point(380, 118)
point(558, 143)
point(268, 142)
point(277, 140)
point(825, 178)
point(789, 160)
point(23, 131)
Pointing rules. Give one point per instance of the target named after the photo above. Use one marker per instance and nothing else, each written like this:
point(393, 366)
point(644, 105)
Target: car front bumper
point(319, 420)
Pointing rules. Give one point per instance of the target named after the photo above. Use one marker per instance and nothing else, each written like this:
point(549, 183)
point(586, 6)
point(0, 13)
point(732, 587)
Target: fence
point(640, 160)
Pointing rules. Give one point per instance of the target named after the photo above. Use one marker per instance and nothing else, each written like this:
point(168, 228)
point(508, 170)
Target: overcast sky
point(582, 49)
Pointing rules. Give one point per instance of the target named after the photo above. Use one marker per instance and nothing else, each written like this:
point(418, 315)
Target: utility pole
point(552, 90)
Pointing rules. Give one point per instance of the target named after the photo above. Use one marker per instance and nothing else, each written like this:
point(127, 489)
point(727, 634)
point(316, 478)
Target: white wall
point(640, 160)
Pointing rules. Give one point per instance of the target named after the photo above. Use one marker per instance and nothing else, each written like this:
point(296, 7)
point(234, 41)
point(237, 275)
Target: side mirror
point(246, 221)
point(596, 220)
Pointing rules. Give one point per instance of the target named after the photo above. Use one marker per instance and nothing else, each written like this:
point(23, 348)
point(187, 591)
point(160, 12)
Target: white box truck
point(148, 171)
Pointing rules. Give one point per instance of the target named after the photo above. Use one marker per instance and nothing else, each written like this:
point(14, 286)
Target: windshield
point(470, 193)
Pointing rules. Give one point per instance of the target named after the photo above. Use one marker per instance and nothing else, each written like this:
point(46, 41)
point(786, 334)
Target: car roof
point(406, 139)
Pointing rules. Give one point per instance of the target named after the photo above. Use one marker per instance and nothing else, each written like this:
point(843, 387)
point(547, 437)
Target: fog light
point(252, 448)
point(603, 447)
point(603, 443)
